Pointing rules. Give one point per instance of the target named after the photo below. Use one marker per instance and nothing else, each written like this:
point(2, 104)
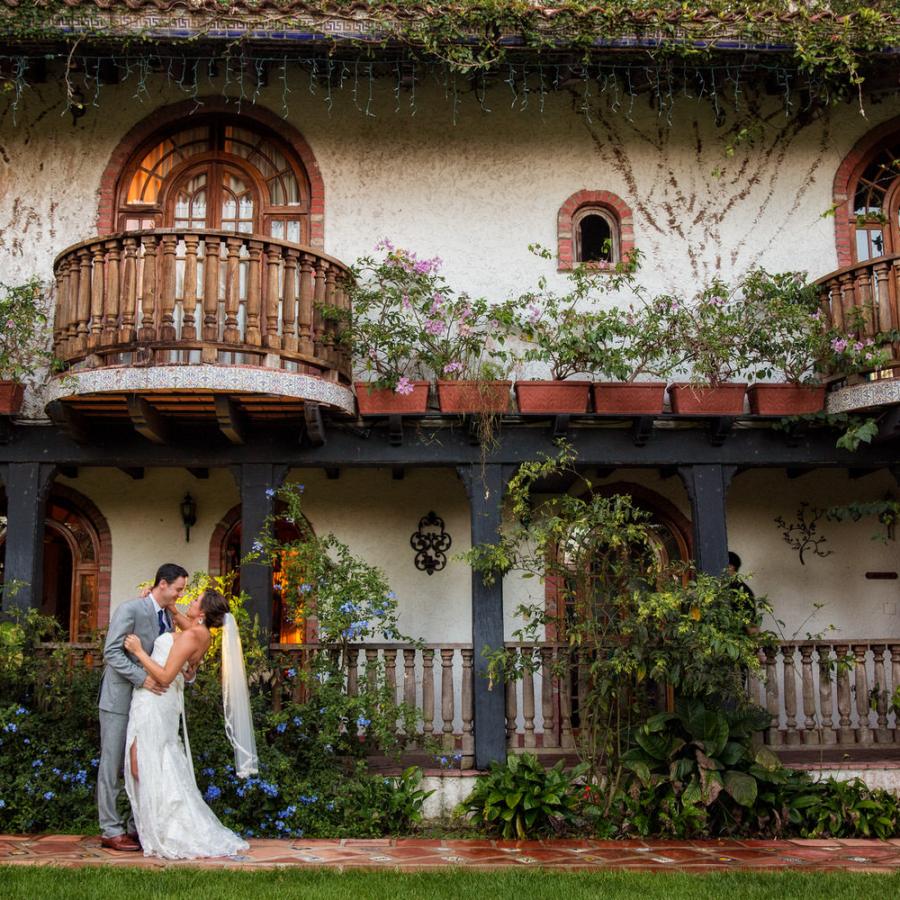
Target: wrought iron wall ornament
point(431, 544)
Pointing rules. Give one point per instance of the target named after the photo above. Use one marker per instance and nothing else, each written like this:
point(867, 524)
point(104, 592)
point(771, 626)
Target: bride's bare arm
point(181, 620)
point(185, 645)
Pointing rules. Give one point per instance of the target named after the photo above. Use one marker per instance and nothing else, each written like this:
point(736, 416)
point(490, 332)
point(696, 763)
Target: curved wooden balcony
point(191, 319)
point(871, 287)
point(181, 296)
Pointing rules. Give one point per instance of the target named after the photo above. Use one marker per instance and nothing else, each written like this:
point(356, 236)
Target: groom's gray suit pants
point(113, 731)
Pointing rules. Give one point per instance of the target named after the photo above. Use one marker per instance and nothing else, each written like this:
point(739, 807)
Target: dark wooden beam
point(641, 430)
point(199, 473)
point(71, 421)
point(666, 472)
point(793, 472)
point(147, 421)
point(230, 419)
point(315, 424)
point(395, 430)
point(68, 471)
point(136, 473)
point(707, 487)
point(332, 473)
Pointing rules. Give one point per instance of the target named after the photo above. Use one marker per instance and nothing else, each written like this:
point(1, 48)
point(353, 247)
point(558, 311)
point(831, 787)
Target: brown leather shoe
point(119, 842)
point(134, 836)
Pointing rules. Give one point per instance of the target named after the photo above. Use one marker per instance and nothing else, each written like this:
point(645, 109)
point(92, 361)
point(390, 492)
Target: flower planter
point(385, 401)
point(786, 399)
point(552, 396)
point(629, 398)
point(473, 396)
point(11, 394)
point(704, 400)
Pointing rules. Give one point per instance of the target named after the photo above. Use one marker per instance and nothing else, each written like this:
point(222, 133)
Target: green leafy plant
point(521, 799)
point(23, 337)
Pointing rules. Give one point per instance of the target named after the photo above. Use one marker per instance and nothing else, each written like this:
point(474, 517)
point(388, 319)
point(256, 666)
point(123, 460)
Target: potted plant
point(22, 340)
point(789, 339)
point(388, 297)
point(712, 334)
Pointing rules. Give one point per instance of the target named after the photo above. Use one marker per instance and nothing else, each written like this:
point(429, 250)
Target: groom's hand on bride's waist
point(151, 684)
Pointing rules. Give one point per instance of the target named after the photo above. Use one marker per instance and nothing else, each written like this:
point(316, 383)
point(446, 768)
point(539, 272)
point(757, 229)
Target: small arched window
point(596, 236)
point(875, 203)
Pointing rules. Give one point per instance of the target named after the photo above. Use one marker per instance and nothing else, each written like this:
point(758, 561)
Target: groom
point(147, 617)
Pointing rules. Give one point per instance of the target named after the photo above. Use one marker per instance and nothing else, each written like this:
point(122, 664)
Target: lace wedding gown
point(171, 817)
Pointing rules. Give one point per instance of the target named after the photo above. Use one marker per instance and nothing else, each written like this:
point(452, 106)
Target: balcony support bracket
point(70, 421)
point(230, 419)
point(641, 430)
point(315, 424)
point(395, 430)
point(148, 421)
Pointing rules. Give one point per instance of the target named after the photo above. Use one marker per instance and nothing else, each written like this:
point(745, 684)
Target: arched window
point(222, 172)
point(75, 584)
point(875, 204)
point(596, 236)
point(594, 227)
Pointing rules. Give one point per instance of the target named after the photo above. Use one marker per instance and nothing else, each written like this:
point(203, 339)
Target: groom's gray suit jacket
point(122, 674)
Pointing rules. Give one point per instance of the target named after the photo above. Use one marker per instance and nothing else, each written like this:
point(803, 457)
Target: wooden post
point(864, 731)
point(846, 734)
point(189, 289)
point(707, 486)
point(27, 485)
point(810, 726)
point(147, 331)
point(485, 485)
point(829, 736)
point(428, 691)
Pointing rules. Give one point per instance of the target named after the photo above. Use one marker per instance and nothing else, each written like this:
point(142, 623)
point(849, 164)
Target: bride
point(172, 819)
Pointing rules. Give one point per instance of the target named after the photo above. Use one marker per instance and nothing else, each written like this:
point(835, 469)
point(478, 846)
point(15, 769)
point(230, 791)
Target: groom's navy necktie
point(163, 624)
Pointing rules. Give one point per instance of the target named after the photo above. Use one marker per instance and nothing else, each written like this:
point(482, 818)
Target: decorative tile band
point(232, 379)
point(863, 396)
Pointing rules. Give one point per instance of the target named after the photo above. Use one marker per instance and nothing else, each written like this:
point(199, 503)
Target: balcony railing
point(187, 296)
point(872, 288)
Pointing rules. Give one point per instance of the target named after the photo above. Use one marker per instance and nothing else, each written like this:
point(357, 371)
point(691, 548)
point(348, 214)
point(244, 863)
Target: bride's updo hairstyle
point(214, 606)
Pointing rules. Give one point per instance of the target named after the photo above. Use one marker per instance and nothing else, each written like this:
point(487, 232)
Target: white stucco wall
point(477, 192)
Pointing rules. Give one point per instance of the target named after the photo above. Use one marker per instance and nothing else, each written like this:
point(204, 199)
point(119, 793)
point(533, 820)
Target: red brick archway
point(844, 180)
point(162, 118)
point(612, 203)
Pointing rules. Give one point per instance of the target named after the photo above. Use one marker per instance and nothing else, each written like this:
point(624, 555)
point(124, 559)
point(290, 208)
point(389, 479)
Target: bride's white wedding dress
point(172, 819)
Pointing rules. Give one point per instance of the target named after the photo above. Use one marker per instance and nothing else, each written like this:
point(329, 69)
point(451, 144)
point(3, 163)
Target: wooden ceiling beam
point(230, 419)
point(70, 421)
point(147, 421)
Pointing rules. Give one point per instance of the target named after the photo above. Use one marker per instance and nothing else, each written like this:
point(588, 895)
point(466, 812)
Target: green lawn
point(39, 883)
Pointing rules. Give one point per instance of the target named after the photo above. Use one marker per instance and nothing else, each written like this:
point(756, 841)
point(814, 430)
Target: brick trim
point(845, 178)
point(87, 509)
point(217, 540)
point(162, 118)
point(607, 201)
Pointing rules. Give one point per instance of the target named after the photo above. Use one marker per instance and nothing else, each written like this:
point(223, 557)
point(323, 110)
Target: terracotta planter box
point(629, 398)
point(786, 399)
point(11, 394)
point(703, 400)
point(473, 396)
point(384, 401)
point(552, 396)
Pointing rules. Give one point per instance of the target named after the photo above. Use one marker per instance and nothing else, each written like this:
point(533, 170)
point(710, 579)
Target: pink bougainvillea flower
point(404, 386)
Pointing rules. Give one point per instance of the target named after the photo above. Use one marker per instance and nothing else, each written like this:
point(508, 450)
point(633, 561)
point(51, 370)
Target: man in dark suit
point(147, 617)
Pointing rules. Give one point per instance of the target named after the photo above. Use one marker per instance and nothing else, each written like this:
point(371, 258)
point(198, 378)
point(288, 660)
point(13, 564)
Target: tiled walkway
point(410, 853)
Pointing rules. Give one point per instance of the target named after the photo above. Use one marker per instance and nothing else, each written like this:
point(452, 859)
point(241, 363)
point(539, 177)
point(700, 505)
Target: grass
point(42, 883)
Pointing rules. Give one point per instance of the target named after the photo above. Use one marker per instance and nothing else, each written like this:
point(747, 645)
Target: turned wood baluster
point(84, 299)
point(147, 331)
point(428, 691)
point(74, 277)
point(390, 671)
point(865, 299)
point(895, 303)
point(111, 296)
point(128, 301)
point(211, 253)
point(894, 663)
point(547, 711)
point(409, 677)
point(273, 300)
point(326, 290)
point(167, 288)
point(468, 738)
point(566, 738)
point(829, 735)
point(307, 291)
point(864, 732)
point(882, 733)
point(848, 299)
point(189, 300)
point(835, 307)
point(512, 701)
point(528, 655)
point(792, 736)
point(352, 671)
point(277, 689)
point(98, 284)
point(447, 699)
point(846, 735)
point(59, 324)
point(371, 668)
point(233, 286)
point(774, 733)
point(811, 731)
point(289, 301)
point(881, 297)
